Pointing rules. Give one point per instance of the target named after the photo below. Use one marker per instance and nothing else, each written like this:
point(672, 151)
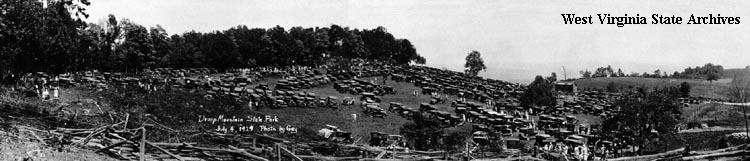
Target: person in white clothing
point(45, 94)
point(55, 93)
point(250, 105)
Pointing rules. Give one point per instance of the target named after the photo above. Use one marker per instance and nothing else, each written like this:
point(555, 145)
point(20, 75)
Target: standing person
point(44, 82)
point(250, 104)
point(37, 90)
point(45, 93)
point(384, 78)
point(55, 93)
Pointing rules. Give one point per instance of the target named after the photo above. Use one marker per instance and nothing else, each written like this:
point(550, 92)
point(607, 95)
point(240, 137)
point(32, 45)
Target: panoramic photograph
point(377, 80)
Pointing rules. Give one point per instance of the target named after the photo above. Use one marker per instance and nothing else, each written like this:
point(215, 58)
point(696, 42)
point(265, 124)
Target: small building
point(566, 87)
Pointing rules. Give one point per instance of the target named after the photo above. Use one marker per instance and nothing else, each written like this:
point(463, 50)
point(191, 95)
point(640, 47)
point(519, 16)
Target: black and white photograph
point(374, 80)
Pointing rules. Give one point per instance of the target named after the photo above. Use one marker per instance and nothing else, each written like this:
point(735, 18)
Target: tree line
point(53, 38)
point(709, 71)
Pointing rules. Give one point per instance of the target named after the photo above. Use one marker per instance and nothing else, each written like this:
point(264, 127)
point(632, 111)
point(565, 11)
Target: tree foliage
point(539, 93)
point(474, 63)
point(603, 72)
point(709, 71)
point(620, 73)
point(643, 116)
point(52, 39)
point(552, 77)
point(685, 89)
point(423, 131)
point(40, 37)
point(585, 74)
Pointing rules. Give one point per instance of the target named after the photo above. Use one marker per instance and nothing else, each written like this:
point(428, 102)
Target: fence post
point(143, 143)
point(278, 152)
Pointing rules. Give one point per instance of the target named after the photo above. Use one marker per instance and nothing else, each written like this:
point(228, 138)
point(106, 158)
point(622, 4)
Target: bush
point(685, 89)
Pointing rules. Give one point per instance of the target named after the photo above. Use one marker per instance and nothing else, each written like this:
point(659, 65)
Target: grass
point(697, 141)
point(180, 109)
point(715, 114)
point(699, 87)
point(712, 114)
point(316, 118)
point(725, 118)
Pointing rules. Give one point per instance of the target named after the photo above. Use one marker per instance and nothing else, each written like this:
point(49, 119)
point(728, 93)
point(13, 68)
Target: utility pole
point(565, 74)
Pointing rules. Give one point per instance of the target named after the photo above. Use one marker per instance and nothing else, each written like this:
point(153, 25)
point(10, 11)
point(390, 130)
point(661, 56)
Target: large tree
point(643, 116)
point(136, 49)
point(539, 93)
point(159, 40)
point(474, 63)
point(40, 37)
point(712, 72)
point(112, 32)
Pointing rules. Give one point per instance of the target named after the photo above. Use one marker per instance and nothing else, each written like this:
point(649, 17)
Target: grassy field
point(714, 115)
point(716, 89)
point(711, 114)
point(180, 110)
point(700, 87)
point(721, 119)
point(316, 118)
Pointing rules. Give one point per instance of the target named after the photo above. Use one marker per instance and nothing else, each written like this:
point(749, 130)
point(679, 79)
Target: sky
point(518, 39)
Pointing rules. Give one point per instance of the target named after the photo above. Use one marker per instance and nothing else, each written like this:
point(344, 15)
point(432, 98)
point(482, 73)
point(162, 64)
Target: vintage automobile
point(331, 102)
point(367, 95)
point(374, 111)
point(334, 134)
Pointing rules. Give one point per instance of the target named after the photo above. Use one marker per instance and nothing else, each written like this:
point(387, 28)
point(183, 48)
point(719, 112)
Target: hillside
point(307, 120)
point(739, 72)
point(701, 88)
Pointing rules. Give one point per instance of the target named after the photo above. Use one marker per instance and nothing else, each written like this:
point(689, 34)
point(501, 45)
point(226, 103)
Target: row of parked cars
point(359, 86)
